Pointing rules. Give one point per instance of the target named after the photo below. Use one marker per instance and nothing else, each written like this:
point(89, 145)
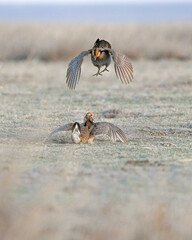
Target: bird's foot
point(105, 69)
point(98, 73)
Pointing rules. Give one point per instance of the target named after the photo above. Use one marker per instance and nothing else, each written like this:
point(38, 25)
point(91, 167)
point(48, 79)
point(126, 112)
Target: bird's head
point(101, 44)
point(89, 118)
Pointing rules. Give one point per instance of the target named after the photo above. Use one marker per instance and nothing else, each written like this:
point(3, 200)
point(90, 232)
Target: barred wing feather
point(112, 131)
point(66, 127)
point(122, 65)
point(74, 69)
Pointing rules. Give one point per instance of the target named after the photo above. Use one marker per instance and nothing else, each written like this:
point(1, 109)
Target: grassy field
point(58, 190)
point(55, 41)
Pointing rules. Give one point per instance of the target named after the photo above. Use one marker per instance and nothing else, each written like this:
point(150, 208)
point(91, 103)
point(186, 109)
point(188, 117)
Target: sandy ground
point(59, 190)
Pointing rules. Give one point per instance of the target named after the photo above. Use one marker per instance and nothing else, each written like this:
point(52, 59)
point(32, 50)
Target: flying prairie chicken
point(101, 54)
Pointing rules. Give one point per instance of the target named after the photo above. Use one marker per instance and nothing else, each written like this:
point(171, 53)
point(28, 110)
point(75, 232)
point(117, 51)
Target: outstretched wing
point(122, 65)
point(74, 69)
point(110, 130)
point(66, 127)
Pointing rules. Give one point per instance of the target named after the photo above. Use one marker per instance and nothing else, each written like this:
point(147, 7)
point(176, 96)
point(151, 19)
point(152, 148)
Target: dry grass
point(55, 41)
point(136, 191)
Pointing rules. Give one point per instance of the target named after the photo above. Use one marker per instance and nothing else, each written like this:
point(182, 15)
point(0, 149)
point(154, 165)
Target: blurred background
point(57, 30)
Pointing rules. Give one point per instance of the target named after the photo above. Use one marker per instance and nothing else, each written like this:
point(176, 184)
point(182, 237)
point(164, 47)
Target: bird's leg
point(97, 73)
point(105, 69)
